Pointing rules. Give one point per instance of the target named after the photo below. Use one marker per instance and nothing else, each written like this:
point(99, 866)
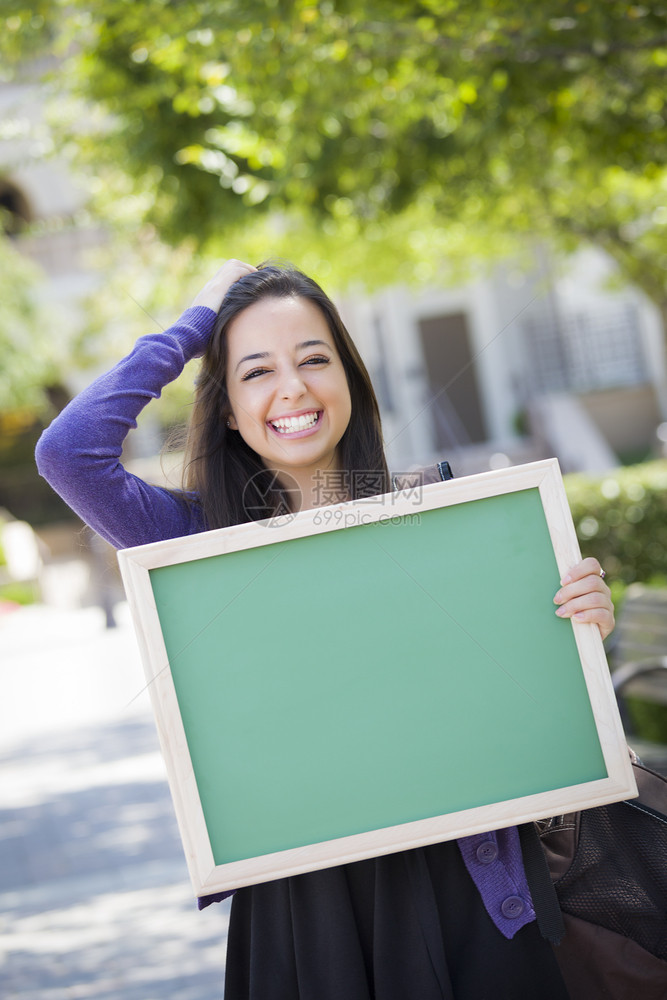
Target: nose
point(292, 385)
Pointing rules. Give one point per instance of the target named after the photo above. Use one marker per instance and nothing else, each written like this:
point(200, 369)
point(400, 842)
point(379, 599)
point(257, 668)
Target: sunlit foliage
point(367, 141)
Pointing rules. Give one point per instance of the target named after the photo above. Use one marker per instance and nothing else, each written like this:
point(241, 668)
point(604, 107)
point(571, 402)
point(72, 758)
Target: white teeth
point(290, 424)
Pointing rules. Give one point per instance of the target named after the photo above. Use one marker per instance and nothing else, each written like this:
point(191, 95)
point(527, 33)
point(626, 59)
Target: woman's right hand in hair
point(215, 290)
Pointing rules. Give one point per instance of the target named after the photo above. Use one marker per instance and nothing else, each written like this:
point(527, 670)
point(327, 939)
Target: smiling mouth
point(288, 425)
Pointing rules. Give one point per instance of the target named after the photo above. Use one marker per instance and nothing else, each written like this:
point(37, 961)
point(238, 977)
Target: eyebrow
point(267, 354)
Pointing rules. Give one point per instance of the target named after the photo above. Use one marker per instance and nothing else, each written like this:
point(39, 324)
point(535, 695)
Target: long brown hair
point(229, 479)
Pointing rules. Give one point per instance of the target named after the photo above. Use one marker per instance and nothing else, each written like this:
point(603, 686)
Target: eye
point(253, 374)
point(317, 360)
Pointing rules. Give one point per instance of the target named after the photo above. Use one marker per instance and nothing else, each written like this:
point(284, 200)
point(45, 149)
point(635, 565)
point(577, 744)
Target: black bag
point(609, 868)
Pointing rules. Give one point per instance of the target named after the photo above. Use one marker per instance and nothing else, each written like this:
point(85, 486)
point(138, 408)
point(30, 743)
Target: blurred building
point(44, 215)
point(38, 191)
point(517, 366)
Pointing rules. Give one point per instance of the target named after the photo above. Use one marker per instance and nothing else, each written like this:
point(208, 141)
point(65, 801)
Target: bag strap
point(545, 900)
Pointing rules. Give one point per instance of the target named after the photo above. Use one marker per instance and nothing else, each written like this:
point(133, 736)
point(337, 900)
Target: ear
point(231, 422)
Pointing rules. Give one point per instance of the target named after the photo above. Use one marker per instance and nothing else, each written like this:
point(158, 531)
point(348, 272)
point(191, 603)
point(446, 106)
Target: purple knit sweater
point(79, 455)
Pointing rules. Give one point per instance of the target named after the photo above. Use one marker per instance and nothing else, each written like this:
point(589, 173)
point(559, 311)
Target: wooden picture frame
point(374, 676)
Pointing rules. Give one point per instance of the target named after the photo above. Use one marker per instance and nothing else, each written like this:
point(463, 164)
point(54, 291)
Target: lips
point(291, 425)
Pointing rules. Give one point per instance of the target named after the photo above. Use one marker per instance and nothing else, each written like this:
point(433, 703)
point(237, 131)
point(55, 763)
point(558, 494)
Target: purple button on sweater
point(500, 877)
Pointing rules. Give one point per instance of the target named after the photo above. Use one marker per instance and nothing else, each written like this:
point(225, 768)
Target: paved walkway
point(95, 900)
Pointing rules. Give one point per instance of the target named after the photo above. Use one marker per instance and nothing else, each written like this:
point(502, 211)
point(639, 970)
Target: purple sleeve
point(495, 864)
point(79, 454)
point(216, 897)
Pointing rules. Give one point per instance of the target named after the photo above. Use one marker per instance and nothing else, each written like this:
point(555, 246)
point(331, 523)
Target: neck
point(316, 487)
point(325, 488)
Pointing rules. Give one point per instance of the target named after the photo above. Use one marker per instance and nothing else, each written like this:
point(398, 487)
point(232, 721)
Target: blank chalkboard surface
point(367, 677)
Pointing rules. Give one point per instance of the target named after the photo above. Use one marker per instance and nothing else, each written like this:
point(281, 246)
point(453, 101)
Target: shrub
point(621, 518)
point(18, 592)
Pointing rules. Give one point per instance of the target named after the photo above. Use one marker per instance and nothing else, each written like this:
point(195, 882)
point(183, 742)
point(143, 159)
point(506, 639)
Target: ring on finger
point(602, 573)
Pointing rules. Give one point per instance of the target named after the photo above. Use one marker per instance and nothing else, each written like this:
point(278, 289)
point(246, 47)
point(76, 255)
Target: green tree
point(28, 361)
point(385, 133)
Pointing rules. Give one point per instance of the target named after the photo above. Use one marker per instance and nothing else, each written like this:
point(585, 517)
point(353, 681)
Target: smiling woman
point(295, 406)
point(284, 408)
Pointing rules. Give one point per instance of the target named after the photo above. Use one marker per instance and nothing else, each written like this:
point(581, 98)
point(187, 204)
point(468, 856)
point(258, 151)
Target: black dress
point(408, 926)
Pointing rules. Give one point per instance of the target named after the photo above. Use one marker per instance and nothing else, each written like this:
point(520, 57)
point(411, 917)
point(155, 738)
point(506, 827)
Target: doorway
point(455, 400)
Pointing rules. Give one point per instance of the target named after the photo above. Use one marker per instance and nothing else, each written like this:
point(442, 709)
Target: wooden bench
point(637, 656)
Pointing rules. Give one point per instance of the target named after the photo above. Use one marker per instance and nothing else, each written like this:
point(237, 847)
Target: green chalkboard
point(364, 677)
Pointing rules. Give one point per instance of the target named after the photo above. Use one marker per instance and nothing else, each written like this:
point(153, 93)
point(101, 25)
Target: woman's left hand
point(585, 597)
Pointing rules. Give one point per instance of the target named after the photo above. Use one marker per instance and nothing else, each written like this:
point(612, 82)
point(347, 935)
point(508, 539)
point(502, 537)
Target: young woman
point(284, 404)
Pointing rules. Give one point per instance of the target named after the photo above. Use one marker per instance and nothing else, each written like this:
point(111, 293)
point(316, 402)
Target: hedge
point(621, 518)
